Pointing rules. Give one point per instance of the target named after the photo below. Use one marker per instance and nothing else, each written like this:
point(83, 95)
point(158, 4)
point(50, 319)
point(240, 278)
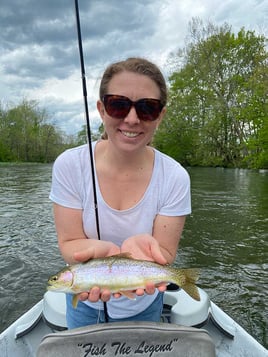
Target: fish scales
point(118, 275)
point(121, 274)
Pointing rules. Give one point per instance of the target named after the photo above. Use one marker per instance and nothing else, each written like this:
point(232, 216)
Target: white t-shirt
point(167, 194)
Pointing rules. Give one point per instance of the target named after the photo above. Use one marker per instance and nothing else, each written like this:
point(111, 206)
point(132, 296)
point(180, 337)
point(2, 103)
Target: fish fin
point(111, 257)
point(186, 279)
point(191, 276)
point(192, 290)
point(129, 294)
point(122, 255)
point(75, 301)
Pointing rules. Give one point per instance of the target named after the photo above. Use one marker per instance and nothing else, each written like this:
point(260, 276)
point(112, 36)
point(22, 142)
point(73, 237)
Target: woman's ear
point(100, 108)
point(161, 116)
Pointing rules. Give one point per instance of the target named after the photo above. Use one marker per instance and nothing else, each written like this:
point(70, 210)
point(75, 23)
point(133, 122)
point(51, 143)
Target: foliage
point(217, 111)
point(26, 135)
point(83, 134)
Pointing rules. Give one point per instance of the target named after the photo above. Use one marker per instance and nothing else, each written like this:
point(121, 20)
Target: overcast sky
point(39, 56)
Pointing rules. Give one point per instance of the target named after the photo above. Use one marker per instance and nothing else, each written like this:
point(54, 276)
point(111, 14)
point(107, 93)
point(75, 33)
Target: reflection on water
point(226, 236)
point(28, 249)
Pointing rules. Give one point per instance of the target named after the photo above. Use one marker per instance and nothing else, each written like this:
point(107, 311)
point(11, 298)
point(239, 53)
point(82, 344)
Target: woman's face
point(130, 133)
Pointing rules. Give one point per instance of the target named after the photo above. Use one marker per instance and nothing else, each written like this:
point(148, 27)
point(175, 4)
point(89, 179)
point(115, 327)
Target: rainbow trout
point(120, 273)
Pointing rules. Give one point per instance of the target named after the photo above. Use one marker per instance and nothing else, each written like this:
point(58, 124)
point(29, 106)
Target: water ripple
point(226, 236)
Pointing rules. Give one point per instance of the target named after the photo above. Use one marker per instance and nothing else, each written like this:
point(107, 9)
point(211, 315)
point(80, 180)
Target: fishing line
point(84, 87)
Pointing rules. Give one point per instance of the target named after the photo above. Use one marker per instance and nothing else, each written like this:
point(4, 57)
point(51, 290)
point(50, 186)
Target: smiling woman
point(144, 111)
point(119, 106)
point(131, 178)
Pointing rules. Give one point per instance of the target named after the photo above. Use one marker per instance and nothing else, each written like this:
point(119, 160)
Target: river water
point(226, 236)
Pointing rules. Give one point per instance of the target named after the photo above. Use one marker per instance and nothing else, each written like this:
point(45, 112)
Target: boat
point(188, 328)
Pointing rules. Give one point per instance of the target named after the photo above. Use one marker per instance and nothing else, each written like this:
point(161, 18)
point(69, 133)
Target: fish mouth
point(63, 289)
point(51, 287)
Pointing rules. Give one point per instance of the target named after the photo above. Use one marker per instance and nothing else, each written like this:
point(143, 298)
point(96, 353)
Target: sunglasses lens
point(117, 106)
point(148, 109)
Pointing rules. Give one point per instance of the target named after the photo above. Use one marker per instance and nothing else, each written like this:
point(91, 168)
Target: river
point(226, 236)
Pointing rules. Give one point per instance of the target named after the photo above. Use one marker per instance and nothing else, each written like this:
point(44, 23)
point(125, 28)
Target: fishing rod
point(84, 87)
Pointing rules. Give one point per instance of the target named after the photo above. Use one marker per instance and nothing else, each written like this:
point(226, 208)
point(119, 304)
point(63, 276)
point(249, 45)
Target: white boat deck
point(24, 336)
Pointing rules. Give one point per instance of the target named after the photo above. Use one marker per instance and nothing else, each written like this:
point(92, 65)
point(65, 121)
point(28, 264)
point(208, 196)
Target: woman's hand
point(98, 249)
point(95, 294)
point(145, 247)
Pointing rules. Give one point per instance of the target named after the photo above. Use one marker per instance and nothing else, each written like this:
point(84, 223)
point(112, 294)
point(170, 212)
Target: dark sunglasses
point(118, 106)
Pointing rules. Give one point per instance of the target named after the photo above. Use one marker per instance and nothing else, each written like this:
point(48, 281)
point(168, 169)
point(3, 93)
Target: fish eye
point(54, 278)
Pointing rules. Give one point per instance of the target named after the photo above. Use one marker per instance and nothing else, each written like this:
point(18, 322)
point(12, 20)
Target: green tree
point(26, 135)
point(217, 109)
point(5, 153)
point(82, 135)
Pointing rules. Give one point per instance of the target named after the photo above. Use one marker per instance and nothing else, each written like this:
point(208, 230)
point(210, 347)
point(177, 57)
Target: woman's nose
point(132, 117)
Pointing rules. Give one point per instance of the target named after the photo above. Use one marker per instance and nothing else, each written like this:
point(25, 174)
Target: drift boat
point(188, 328)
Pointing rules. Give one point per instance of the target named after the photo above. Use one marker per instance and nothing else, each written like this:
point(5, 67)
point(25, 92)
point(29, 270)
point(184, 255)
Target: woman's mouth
point(129, 134)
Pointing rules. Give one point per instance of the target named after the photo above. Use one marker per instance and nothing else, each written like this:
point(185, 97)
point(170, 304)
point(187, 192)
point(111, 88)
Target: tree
point(26, 135)
point(217, 109)
point(82, 135)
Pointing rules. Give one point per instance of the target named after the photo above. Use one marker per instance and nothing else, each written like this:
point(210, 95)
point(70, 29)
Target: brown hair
point(136, 65)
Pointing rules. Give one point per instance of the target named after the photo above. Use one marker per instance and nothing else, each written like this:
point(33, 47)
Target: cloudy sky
point(39, 56)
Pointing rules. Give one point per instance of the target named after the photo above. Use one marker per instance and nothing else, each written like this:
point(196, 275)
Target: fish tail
point(75, 301)
point(187, 281)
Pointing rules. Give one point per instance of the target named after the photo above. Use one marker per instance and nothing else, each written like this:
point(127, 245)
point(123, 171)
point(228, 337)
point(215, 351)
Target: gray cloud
point(39, 54)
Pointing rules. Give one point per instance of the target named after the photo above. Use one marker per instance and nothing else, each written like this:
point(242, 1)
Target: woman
point(143, 195)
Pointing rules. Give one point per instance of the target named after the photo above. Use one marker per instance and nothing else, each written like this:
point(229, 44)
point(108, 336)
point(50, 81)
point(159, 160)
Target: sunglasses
point(118, 106)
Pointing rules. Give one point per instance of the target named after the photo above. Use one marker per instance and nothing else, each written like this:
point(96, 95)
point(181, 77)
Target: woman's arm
point(161, 247)
point(74, 245)
point(167, 231)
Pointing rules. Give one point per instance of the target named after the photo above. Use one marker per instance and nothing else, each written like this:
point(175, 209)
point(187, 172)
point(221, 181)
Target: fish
point(121, 274)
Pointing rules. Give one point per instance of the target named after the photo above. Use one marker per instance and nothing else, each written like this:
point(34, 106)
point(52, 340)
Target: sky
point(39, 58)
